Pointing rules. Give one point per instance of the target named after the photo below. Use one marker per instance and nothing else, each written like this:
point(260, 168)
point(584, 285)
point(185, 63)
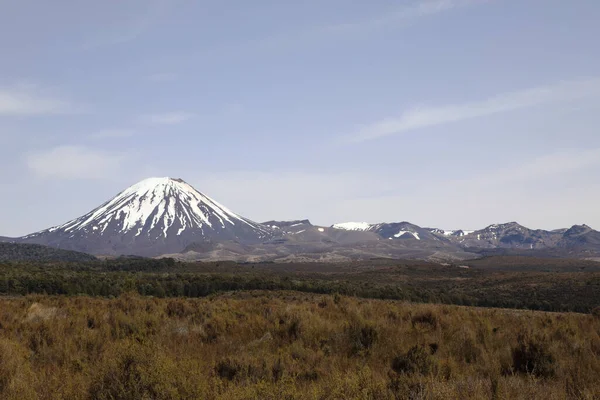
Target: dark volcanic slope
point(153, 217)
point(39, 253)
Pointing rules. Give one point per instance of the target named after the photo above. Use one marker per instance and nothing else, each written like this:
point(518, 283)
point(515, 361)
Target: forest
point(548, 285)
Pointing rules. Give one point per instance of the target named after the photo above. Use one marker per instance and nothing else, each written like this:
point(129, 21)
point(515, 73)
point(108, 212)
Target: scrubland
point(290, 345)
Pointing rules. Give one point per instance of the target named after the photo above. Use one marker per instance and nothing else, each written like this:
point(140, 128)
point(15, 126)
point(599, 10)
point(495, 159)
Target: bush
point(427, 319)
point(532, 356)
point(416, 360)
point(178, 308)
point(228, 369)
point(362, 336)
point(16, 378)
point(232, 369)
point(135, 372)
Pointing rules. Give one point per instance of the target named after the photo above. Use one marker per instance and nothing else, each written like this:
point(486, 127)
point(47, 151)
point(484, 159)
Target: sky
point(454, 114)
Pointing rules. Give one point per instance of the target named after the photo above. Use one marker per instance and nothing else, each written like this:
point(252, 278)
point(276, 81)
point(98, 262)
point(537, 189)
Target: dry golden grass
point(288, 345)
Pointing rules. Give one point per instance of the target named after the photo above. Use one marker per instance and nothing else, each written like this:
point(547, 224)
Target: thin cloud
point(74, 162)
point(169, 118)
point(397, 18)
point(31, 101)
point(424, 117)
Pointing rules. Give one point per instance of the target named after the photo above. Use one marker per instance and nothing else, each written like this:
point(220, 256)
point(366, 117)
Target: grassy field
point(290, 345)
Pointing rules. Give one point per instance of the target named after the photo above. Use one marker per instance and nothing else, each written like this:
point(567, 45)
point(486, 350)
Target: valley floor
point(290, 345)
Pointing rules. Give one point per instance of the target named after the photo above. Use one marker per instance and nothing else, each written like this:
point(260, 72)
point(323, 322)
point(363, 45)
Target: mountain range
point(165, 216)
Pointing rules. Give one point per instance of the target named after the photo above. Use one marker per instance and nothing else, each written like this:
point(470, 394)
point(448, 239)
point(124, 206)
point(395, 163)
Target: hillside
point(39, 253)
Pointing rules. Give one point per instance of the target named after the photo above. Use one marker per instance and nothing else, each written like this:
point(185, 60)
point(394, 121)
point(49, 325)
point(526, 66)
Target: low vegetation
point(290, 345)
point(563, 285)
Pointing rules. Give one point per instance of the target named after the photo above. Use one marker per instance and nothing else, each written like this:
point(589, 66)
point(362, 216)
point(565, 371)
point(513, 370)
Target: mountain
point(510, 235)
point(403, 231)
point(302, 233)
point(353, 226)
point(165, 216)
point(453, 233)
point(580, 237)
point(39, 253)
point(153, 217)
point(392, 231)
point(579, 240)
point(288, 225)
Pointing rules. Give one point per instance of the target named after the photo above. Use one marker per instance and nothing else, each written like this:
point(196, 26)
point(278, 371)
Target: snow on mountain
point(394, 230)
point(353, 226)
point(160, 216)
point(402, 233)
point(449, 233)
point(154, 213)
point(156, 202)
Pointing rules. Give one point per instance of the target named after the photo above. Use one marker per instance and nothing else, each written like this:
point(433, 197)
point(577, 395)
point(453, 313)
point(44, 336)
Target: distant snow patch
point(353, 226)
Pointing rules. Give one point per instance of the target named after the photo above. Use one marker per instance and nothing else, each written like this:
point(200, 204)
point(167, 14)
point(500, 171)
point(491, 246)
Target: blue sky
point(447, 113)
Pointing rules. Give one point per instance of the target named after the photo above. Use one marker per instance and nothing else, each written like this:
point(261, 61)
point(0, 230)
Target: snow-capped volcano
point(154, 216)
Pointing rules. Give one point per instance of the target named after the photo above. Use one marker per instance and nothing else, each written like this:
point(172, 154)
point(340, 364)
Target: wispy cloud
point(73, 162)
point(423, 117)
point(112, 134)
point(399, 17)
point(168, 118)
point(30, 100)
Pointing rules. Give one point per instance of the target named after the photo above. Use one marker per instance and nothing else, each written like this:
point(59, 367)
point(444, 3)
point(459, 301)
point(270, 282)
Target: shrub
point(295, 328)
point(135, 372)
point(228, 369)
point(233, 369)
point(532, 356)
point(468, 350)
point(362, 336)
point(40, 337)
point(16, 378)
point(416, 360)
point(178, 308)
point(427, 319)
point(433, 348)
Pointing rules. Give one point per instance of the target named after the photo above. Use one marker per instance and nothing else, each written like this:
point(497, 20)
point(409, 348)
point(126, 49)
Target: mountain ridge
point(159, 216)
